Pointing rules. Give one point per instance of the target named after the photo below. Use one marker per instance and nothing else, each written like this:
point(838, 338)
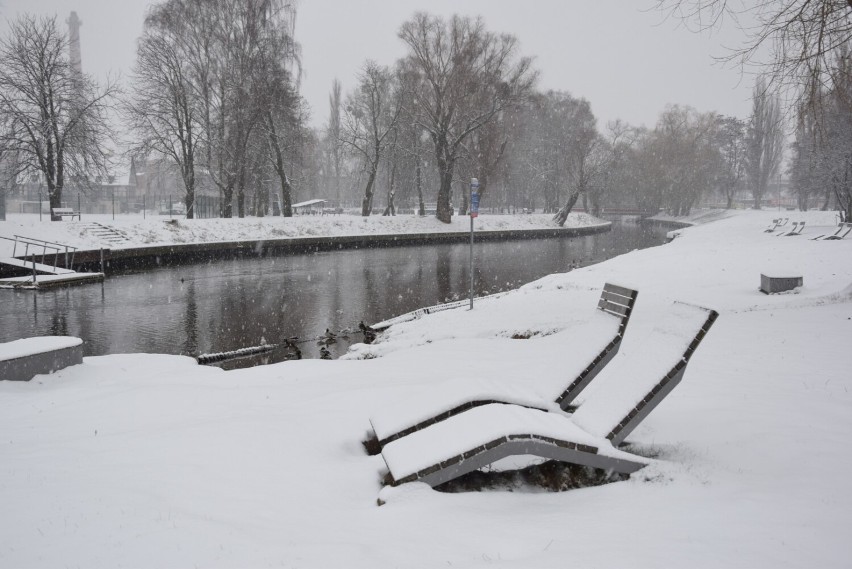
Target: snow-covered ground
point(154, 461)
point(161, 230)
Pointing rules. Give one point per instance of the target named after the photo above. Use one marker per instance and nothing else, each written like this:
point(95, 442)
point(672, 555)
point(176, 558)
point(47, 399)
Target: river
point(230, 304)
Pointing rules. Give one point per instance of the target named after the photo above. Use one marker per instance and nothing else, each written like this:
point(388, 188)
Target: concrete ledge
point(175, 254)
point(22, 360)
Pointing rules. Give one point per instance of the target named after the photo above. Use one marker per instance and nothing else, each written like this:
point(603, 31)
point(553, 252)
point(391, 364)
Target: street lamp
point(474, 211)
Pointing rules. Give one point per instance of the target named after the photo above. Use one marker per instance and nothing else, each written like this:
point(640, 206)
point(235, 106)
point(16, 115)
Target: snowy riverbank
point(131, 231)
point(154, 461)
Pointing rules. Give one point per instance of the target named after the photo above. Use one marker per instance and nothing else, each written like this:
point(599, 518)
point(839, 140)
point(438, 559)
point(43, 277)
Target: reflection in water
point(443, 274)
point(227, 305)
point(190, 322)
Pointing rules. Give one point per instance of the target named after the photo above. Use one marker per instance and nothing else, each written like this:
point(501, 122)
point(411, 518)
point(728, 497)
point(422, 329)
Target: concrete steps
point(106, 233)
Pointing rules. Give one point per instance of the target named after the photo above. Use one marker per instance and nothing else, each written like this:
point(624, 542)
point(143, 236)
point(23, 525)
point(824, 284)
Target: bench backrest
point(61, 210)
point(618, 301)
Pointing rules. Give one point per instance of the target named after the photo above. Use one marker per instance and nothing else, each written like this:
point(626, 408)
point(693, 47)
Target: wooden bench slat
point(614, 309)
point(617, 298)
point(620, 290)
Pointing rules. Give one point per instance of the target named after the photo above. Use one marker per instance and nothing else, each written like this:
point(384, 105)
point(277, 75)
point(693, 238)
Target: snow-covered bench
point(593, 344)
point(631, 389)
point(63, 212)
point(798, 226)
point(843, 229)
point(21, 360)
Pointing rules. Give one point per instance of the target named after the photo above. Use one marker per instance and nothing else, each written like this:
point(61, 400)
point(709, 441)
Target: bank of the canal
point(247, 298)
point(107, 259)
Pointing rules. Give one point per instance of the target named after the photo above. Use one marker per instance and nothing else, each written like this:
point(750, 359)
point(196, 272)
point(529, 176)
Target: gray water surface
point(230, 304)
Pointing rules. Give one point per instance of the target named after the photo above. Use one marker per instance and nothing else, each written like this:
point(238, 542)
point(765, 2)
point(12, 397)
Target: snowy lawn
point(160, 230)
point(154, 461)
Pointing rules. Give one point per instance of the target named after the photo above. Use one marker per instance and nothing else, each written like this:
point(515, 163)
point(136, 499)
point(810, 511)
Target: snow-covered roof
point(308, 203)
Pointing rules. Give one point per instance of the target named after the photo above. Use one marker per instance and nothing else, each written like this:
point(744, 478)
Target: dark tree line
point(214, 93)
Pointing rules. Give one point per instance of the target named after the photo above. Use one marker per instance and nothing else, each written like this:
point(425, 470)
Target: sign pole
point(474, 211)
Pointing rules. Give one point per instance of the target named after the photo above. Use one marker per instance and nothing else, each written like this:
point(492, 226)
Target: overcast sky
point(621, 55)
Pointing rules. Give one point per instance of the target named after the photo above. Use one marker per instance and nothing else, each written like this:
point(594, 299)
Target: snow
point(529, 377)
point(31, 346)
point(479, 426)
point(154, 461)
point(778, 273)
point(634, 372)
point(161, 230)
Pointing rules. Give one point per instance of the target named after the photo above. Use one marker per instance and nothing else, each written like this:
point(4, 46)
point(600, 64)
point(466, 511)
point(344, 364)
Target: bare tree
point(225, 45)
point(466, 76)
point(731, 140)
point(163, 112)
point(370, 118)
point(802, 36)
point(281, 108)
point(334, 139)
point(583, 157)
point(765, 140)
point(55, 119)
point(616, 181)
point(823, 155)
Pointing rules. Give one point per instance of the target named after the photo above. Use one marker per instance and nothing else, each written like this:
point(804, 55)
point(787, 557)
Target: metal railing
point(54, 248)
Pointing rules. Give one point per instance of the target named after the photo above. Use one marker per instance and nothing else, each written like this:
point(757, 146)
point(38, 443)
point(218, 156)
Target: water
point(227, 305)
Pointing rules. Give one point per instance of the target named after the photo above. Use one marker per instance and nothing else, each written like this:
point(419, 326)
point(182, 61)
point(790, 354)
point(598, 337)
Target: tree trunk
point(391, 209)
point(367, 202)
point(286, 196)
point(189, 186)
point(443, 211)
point(241, 202)
point(421, 205)
point(418, 177)
point(54, 197)
point(562, 215)
point(227, 201)
point(446, 166)
point(464, 205)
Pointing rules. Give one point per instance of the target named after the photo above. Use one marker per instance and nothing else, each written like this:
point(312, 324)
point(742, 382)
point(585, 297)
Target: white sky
point(619, 54)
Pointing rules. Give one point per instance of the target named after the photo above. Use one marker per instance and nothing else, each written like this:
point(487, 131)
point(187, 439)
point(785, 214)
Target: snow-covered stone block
point(772, 282)
point(21, 360)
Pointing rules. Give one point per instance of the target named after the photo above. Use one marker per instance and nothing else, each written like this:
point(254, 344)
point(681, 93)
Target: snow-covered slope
point(153, 461)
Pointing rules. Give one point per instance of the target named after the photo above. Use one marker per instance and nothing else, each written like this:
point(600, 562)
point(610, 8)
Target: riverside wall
point(109, 260)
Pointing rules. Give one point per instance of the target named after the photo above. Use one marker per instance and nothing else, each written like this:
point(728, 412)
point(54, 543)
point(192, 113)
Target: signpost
point(474, 211)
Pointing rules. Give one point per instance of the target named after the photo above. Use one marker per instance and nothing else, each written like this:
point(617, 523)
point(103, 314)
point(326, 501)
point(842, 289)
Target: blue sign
point(474, 199)
point(474, 204)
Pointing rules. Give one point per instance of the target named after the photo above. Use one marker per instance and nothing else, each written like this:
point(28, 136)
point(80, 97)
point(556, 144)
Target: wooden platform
point(48, 281)
point(39, 267)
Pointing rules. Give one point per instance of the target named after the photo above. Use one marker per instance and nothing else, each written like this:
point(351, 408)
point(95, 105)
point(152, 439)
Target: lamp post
point(474, 211)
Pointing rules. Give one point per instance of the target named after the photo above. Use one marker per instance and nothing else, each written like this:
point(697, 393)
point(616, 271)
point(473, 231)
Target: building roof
point(308, 203)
